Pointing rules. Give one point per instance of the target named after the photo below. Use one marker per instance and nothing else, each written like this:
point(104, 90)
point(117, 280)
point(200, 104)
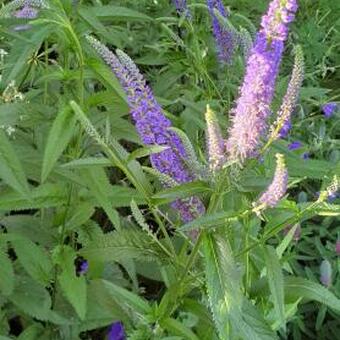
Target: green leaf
point(210, 221)
point(124, 244)
point(33, 258)
point(31, 298)
point(44, 196)
point(73, 286)
point(176, 327)
point(275, 280)
point(11, 170)
point(87, 162)
point(99, 185)
point(59, 136)
point(223, 282)
point(182, 191)
point(146, 151)
point(233, 314)
point(116, 13)
point(6, 274)
point(81, 215)
point(296, 287)
point(32, 332)
point(127, 298)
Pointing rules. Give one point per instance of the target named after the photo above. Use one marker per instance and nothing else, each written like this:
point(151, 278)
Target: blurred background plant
point(89, 246)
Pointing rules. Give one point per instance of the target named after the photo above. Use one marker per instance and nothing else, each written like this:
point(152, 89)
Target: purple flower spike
point(277, 189)
point(182, 7)
point(329, 108)
point(116, 332)
point(152, 126)
point(249, 117)
point(225, 37)
point(294, 145)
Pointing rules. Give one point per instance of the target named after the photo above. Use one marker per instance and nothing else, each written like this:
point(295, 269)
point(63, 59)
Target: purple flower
point(26, 12)
point(287, 125)
point(81, 265)
point(326, 273)
point(249, 117)
point(329, 108)
point(276, 189)
point(116, 332)
point(182, 7)
point(152, 126)
point(290, 99)
point(305, 156)
point(294, 145)
point(225, 37)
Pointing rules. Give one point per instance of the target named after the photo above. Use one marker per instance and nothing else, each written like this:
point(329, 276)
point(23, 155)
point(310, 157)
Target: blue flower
point(116, 332)
point(294, 145)
point(305, 155)
point(329, 108)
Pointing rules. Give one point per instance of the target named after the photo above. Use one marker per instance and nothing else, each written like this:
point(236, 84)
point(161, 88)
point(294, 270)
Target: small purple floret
point(294, 145)
point(26, 12)
point(116, 332)
point(329, 108)
point(224, 37)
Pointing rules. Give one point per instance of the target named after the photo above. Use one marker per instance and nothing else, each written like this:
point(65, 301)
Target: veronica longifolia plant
point(232, 174)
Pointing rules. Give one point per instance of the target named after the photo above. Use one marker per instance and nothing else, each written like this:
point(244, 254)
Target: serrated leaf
point(223, 283)
point(11, 170)
point(99, 185)
point(146, 151)
point(31, 298)
point(59, 136)
point(210, 221)
point(297, 287)
point(80, 215)
point(6, 274)
point(127, 298)
point(275, 281)
point(124, 244)
point(233, 313)
point(73, 286)
point(177, 327)
point(33, 258)
point(44, 196)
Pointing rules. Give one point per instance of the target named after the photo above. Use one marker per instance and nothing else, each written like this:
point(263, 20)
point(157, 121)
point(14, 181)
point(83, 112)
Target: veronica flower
point(249, 117)
point(329, 108)
point(182, 7)
point(215, 142)
point(152, 126)
point(277, 189)
point(294, 145)
point(326, 273)
point(26, 9)
point(225, 37)
point(283, 124)
point(116, 332)
point(26, 12)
